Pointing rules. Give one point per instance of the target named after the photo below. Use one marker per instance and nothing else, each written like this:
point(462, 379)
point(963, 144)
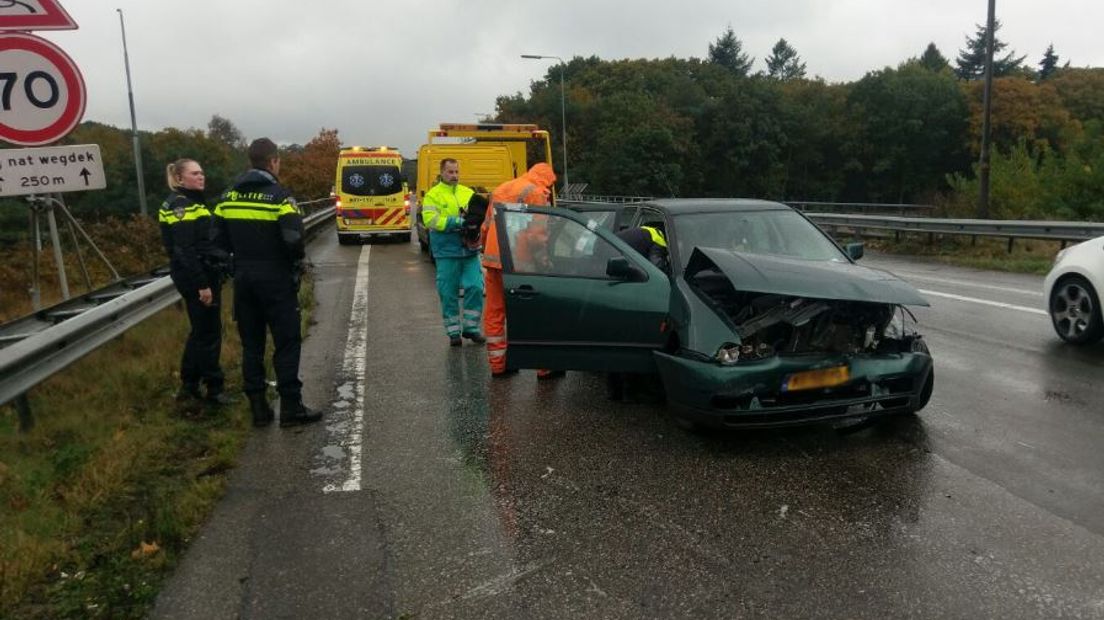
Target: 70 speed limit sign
point(42, 94)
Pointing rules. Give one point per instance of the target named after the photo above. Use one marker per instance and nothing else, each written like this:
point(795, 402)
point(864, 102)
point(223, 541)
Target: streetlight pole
point(987, 104)
point(133, 122)
point(563, 110)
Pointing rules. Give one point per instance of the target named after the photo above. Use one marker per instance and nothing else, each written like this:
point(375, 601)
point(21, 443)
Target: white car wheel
point(1075, 311)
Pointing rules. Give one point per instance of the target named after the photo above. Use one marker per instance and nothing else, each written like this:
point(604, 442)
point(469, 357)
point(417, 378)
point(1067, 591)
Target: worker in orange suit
point(533, 188)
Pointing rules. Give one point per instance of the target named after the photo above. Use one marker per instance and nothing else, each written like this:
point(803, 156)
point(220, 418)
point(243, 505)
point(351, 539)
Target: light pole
point(563, 109)
point(133, 122)
point(987, 104)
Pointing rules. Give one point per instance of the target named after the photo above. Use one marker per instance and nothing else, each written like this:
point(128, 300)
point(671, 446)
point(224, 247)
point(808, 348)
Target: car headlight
point(731, 353)
point(728, 354)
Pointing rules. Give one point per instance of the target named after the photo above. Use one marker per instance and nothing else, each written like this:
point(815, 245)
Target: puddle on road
point(333, 452)
point(346, 391)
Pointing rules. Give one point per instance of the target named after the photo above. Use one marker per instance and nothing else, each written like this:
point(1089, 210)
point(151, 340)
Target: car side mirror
point(620, 268)
point(855, 250)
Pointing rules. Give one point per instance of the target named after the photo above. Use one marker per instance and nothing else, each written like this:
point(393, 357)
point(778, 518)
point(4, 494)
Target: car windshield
point(371, 180)
point(779, 232)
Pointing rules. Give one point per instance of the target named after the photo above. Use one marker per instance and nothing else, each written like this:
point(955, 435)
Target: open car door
point(577, 297)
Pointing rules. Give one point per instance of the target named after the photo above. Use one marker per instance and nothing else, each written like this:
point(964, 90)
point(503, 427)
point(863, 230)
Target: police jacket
point(258, 222)
point(441, 207)
point(185, 230)
point(649, 242)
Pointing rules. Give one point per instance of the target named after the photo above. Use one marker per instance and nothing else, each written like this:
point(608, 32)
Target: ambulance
point(371, 194)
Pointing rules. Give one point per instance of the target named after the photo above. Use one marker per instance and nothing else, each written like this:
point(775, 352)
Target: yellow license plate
point(813, 379)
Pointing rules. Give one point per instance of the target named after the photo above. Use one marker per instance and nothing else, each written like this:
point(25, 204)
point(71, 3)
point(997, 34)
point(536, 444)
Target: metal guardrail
point(860, 207)
point(64, 333)
point(1012, 229)
point(612, 199)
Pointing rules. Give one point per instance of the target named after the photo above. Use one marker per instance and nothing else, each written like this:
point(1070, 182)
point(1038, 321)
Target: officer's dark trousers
point(267, 297)
point(201, 351)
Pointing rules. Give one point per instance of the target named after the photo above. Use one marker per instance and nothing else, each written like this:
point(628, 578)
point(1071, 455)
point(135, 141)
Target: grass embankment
point(99, 500)
point(133, 246)
point(1027, 256)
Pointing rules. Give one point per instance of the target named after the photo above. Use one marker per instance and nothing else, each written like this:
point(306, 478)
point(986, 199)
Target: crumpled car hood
point(760, 273)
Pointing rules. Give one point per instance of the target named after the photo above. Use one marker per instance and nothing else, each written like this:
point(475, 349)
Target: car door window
point(541, 244)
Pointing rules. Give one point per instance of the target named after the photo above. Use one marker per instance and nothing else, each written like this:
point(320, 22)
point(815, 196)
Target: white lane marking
point(985, 302)
point(353, 370)
point(991, 287)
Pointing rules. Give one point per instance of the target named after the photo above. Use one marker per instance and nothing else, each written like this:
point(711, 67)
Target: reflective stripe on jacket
point(185, 231)
point(657, 237)
point(257, 220)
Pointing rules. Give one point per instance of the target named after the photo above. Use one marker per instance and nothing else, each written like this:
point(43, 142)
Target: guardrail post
point(1063, 246)
point(1011, 240)
point(931, 238)
point(897, 236)
point(26, 420)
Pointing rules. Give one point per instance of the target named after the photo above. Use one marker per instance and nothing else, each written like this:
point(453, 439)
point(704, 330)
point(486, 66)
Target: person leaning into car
point(185, 224)
point(649, 242)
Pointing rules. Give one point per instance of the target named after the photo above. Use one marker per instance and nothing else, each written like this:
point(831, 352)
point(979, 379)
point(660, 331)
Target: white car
point(1072, 290)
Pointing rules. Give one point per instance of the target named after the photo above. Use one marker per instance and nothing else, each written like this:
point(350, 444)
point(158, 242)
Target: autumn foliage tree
point(309, 172)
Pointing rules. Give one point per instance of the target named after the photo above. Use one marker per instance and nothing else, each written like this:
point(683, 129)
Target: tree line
point(910, 133)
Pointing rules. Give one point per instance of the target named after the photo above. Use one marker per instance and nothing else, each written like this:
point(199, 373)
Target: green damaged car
point(759, 320)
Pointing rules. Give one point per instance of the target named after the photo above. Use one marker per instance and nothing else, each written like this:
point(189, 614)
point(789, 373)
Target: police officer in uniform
point(650, 242)
point(185, 226)
point(257, 221)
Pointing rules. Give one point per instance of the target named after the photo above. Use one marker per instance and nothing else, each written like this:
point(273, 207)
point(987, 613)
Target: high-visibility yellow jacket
point(441, 207)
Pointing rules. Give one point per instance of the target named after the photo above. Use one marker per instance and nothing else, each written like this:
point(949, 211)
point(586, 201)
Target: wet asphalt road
point(519, 499)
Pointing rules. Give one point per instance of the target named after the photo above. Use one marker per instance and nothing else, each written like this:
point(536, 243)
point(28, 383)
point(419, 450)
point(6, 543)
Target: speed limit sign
point(42, 94)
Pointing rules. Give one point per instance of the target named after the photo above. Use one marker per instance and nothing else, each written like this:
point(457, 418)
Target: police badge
point(179, 212)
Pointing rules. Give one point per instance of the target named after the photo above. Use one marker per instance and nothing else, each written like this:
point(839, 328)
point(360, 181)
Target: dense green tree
point(971, 60)
point(728, 52)
point(817, 129)
point(784, 63)
point(933, 59)
point(912, 125)
point(1049, 64)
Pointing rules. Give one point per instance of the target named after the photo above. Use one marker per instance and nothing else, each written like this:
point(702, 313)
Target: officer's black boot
point(262, 412)
point(293, 412)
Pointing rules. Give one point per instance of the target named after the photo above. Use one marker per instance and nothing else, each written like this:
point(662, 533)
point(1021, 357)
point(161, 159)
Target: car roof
point(677, 206)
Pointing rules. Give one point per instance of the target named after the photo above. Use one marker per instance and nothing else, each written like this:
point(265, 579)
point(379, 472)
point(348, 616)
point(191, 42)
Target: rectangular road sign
point(51, 169)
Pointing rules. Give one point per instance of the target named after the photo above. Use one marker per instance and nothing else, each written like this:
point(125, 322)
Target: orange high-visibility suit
point(533, 188)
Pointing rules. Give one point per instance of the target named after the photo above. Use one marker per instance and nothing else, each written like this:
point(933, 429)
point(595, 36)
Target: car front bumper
point(750, 395)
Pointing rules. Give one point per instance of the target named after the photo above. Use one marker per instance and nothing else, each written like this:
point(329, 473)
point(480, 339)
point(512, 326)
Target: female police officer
point(185, 224)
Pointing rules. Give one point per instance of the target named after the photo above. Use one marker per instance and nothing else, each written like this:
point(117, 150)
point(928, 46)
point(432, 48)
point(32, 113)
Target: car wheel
point(1075, 311)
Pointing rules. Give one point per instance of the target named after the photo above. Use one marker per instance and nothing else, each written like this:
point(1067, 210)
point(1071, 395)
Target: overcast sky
point(386, 72)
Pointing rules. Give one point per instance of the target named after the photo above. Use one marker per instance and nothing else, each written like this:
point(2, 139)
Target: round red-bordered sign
point(72, 108)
